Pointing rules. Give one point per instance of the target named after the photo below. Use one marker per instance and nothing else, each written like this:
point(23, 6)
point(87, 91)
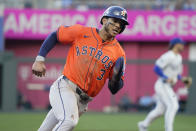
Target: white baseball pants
point(66, 107)
point(167, 104)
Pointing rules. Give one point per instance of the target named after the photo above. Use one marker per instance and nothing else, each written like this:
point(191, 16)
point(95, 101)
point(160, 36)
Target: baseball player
point(94, 56)
point(168, 68)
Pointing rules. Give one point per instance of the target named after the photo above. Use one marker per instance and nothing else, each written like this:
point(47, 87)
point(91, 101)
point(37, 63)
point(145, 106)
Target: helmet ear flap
point(123, 28)
point(102, 19)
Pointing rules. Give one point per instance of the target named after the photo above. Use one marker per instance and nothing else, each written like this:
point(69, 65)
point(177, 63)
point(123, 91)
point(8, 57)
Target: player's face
point(113, 26)
point(180, 47)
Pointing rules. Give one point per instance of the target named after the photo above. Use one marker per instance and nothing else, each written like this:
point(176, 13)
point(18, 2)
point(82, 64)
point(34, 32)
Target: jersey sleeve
point(124, 66)
point(67, 34)
point(164, 60)
point(180, 70)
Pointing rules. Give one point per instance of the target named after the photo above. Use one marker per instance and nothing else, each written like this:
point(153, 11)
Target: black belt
point(83, 96)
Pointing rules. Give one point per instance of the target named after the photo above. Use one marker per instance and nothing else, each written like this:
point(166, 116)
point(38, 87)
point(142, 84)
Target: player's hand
point(170, 81)
point(187, 81)
point(39, 68)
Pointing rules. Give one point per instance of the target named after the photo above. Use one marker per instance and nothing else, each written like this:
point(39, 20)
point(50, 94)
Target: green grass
point(94, 122)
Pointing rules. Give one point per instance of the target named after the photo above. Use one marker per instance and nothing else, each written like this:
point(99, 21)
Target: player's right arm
point(63, 35)
point(160, 64)
point(39, 68)
point(160, 73)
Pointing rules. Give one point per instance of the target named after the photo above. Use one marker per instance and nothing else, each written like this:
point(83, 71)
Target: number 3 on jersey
point(101, 75)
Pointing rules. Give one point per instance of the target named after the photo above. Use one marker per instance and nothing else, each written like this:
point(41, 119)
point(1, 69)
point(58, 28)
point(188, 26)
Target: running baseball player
point(94, 56)
point(169, 68)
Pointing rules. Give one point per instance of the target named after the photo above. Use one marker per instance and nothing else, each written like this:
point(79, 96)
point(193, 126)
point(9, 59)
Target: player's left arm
point(38, 67)
point(116, 81)
point(63, 35)
point(187, 80)
point(180, 70)
point(48, 44)
point(162, 62)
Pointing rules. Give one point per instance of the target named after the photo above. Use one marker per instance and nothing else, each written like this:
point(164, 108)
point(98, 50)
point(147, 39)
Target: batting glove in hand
point(187, 81)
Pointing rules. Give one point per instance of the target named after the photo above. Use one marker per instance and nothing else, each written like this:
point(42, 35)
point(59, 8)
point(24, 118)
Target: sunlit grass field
point(30, 121)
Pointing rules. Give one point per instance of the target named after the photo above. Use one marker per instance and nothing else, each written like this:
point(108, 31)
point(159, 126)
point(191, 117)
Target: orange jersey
point(89, 62)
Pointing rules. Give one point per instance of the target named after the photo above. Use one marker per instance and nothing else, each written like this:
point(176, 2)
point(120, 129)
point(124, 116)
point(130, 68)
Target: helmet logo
point(123, 13)
point(116, 13)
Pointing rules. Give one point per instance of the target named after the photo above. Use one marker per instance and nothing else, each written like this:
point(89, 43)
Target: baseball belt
point(83, 96)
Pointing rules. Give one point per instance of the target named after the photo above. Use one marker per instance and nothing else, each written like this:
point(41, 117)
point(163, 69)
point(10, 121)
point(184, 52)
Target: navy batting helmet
point(116, 12)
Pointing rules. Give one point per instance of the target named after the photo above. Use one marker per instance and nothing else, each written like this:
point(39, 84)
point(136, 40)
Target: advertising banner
point(144, 25)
